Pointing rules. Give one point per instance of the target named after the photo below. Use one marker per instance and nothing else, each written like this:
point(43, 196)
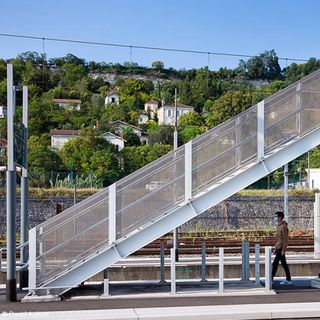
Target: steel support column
point(11, 290)
point(24, 216)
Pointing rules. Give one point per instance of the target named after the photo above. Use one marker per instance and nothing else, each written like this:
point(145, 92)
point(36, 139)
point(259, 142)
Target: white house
point(112, 97)
point(3, 112)
point(119, 125)
point(166, 113)
point(70, 104)
point(314, 178)
point(115, 140)
point(60, 137)
point(152, 107)
point(143, 117)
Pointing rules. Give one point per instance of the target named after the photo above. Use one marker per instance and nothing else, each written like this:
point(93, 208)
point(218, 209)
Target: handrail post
point(245, 260)
point(162, 263)
point(257, 264)
point(260, 130)
point(32, 259)
point(317, 226)
point(203, 261)
point(298, 108)
point(188, 171)
point(112, 214)
point(267, 268)
point(221, 270)
point(173, 271)
point(238, 138)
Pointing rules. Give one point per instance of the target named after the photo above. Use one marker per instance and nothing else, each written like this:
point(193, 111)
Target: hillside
point(214, 96)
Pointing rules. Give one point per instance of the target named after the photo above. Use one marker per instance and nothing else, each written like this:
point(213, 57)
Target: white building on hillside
point(69, 104)
point(143, 117)
point(118, 127)
point(60, 137)
point(3, 112)
point(152, 107)
point(314, 178)
point(112, 97)
point(166, 113)
point(115, 140)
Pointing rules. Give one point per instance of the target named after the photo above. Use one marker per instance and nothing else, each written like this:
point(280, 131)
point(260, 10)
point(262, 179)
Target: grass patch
point(57, 192)
point(275, 193)
point(66, 192)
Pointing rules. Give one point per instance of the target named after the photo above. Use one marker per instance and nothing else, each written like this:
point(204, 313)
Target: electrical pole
point(175, 134)
point(175, 147)
point(24, 220)
point(11, 284)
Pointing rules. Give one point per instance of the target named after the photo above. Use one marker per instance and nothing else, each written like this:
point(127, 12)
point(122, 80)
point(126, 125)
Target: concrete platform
point(148, 289)
point(135, 268)
point(298, 301)
point(234, 312)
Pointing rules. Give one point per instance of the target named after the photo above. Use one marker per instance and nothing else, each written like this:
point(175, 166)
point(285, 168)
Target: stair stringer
point(107, 256)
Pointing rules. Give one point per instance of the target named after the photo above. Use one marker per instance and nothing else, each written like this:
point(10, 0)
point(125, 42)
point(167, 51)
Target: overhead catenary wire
point(142, 47)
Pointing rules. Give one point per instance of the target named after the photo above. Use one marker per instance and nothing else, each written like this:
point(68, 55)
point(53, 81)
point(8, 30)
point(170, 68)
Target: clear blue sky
point(291, 27)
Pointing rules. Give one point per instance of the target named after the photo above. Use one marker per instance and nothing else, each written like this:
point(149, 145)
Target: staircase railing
point(151, 192)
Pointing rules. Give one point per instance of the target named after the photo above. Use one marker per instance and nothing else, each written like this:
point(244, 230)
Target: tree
point(73, 73)
point(131, 138)
point(164, 135)
point(297, 71)
point(135, 158)
point(189, 133)
point(113, 112)
point(89, 154)
point(152, 126)
point(227, 106)
point(190, 119)
point(95, 84)
point(42, 159)
point(158, 65)
point(265, 66)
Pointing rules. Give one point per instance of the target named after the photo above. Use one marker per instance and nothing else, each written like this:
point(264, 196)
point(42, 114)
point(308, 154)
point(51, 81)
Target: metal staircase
point(108, 226)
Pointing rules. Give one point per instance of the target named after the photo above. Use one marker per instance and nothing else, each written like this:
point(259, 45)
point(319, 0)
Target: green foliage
point(134, 92)
point(152, 126)
point(135, 158)
point(265, 66)
point(295, 71)
point(73, 73)
point(42, 159)
point(190, 119)
point(82, 181)
point(90, 154)
point(227, 106)
point(158, 65)
point(113, 112)
point(189, 133)
point(131, 138)
point(222, 93)
point(163, 135)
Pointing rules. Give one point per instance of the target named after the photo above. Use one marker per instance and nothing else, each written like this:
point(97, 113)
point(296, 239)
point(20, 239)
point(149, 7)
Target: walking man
point(281, 247)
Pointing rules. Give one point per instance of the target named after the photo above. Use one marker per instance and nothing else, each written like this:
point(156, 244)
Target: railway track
point(230, 241)
point(191, 243)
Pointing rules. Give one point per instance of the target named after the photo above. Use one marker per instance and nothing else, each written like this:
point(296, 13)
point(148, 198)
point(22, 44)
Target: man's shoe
point(286, 283)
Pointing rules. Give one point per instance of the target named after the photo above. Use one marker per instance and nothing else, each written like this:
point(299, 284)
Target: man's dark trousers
point(282, 258)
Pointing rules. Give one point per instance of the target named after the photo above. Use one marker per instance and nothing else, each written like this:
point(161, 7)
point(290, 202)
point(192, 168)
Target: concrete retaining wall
point(233, 213)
